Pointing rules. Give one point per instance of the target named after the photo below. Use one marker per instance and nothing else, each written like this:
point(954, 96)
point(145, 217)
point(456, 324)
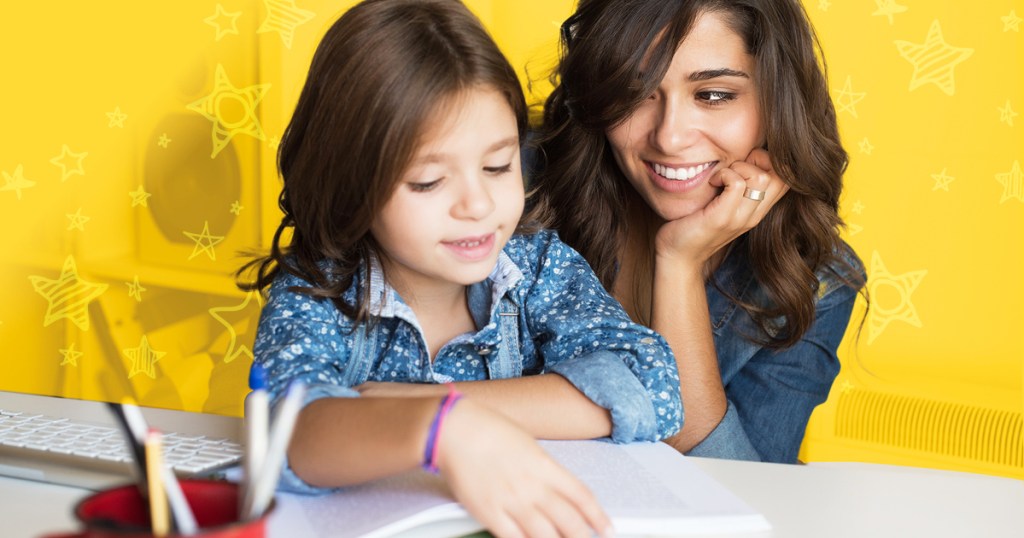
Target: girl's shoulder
point(542, 247)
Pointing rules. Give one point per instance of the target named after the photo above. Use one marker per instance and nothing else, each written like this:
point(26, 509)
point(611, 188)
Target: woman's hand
point(695, 238)
point(508, 483)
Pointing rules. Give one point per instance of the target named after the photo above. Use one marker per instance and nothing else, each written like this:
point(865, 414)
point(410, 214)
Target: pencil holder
point(122, 512)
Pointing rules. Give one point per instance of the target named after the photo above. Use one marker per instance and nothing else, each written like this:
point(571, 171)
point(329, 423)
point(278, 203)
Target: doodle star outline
point(144, 358)
point(70, 355)
point(848, 99)
point(866, 147)
point(116, 118)
point(933, 60)
point(225, 93)
point(283, 16)
point(234, 350)
point(1012, 182)
point(76, 220)
point(140, 197)
point(942, 180)
point(228, 18)
point(880, 316)
point(61, 161)
point(1011, 21)
point(17, 181)
point(888, 8)
point(824, 5)
point(68, 295)
point(135, 289)
point(858, 207)
point(1006, 114)
point(163, 141)
point(204, 237)
point(236, 208)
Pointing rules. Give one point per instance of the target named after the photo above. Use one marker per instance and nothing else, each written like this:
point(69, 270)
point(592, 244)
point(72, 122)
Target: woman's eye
point(425, 186)
point(498, 170)
point(715, 97)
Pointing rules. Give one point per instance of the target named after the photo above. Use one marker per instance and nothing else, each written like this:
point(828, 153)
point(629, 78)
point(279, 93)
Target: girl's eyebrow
point(709, 74)
point(441, 157)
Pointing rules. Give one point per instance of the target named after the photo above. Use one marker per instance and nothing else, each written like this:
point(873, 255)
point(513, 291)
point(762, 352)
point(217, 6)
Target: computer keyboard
point(25, 434)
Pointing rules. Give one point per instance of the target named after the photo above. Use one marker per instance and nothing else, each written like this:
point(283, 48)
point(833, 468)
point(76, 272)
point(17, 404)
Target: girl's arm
point(526, 401)
point(498, 472)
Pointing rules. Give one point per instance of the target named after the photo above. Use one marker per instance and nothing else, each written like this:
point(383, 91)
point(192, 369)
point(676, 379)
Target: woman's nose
point(674, 129)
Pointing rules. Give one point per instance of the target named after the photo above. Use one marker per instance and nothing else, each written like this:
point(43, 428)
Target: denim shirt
point(771, 393)
point(541, 310)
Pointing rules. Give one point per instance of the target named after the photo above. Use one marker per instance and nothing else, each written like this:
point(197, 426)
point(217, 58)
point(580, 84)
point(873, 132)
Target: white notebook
point(648, 489)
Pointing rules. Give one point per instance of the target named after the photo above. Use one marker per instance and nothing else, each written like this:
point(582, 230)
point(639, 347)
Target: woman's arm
point(680, 314)
point(679, 301)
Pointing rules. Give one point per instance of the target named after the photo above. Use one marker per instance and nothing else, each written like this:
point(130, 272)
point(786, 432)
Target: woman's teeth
point(679, 174)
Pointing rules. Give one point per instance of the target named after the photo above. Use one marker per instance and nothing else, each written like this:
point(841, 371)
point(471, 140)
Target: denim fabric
point(541, 310)
point(771, 393)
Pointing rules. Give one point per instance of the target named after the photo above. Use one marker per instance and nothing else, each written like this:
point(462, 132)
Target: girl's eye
point(498, 170)
point(424, 187)
point(715, 97)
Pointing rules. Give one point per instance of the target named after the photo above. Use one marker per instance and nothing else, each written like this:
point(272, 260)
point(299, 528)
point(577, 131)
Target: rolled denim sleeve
point(300, 339)
point(608, 382)
point(584, 335)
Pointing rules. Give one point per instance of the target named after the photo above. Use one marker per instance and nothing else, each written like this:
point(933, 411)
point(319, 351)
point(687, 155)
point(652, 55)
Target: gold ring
point(753, 194)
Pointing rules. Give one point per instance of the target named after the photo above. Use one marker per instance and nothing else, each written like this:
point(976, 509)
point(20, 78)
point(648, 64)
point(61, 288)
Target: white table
point(813, 501)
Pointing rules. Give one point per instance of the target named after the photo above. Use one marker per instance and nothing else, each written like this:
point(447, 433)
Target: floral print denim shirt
point(541, 310)
point(771, 393)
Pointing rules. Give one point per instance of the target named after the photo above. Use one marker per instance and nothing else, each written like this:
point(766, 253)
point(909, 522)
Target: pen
point(157, 494)
point(256, 426)
point(280, 434)
point(135, 445)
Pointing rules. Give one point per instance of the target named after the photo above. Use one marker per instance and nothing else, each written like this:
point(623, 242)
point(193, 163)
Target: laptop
point(79, 442)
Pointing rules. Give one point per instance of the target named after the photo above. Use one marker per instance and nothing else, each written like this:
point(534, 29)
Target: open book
point(648, 489)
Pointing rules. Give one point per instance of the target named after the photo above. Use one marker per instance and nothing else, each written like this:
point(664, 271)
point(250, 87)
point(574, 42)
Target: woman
point(690, 152)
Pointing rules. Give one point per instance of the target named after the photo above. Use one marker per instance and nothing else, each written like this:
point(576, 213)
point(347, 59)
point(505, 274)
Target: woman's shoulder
point(843, 271)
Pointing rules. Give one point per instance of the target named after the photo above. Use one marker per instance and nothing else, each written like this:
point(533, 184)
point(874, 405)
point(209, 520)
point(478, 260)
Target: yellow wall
point(138, 138)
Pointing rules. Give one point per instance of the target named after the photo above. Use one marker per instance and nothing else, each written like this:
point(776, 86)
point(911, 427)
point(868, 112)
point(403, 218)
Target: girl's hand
point(508, 483)
point(694, 239)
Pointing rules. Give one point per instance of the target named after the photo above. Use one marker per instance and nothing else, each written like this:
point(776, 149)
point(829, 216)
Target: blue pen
point(256, 430)
point(280, 434)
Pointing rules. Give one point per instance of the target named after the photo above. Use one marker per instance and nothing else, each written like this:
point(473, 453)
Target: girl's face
point(460, 199)
point(703, 117)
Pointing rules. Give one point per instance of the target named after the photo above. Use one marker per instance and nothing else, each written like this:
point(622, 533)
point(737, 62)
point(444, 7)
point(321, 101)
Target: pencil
point(157, 494)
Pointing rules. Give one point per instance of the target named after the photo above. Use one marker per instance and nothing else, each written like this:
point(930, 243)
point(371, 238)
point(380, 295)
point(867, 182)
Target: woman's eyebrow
point(709, 74)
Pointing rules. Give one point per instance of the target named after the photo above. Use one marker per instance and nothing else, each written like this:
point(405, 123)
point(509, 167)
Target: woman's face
point(703, 117)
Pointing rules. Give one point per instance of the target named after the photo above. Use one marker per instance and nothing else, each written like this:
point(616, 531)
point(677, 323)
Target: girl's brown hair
point(614, 54)
point(380, 74)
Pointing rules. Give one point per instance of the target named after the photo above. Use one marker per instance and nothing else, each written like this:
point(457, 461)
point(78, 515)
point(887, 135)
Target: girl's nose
point(475, 201)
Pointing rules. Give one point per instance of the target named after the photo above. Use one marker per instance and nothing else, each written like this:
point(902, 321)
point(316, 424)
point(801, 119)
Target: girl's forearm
point(680, 314)
point(344, 441)
point(546, 406)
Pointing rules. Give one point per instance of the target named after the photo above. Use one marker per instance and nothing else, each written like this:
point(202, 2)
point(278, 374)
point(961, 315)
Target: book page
point(648, 489)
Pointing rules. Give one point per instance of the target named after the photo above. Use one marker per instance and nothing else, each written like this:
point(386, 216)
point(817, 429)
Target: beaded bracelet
point(434, 435)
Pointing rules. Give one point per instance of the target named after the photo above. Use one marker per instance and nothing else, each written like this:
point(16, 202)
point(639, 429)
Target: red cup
point(121, 512)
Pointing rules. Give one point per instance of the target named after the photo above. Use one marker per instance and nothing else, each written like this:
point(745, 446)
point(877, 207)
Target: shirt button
point(647, 340)
point(484, 351)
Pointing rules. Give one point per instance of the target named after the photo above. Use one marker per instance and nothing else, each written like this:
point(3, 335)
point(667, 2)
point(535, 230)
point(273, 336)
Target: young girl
point(402, 193)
